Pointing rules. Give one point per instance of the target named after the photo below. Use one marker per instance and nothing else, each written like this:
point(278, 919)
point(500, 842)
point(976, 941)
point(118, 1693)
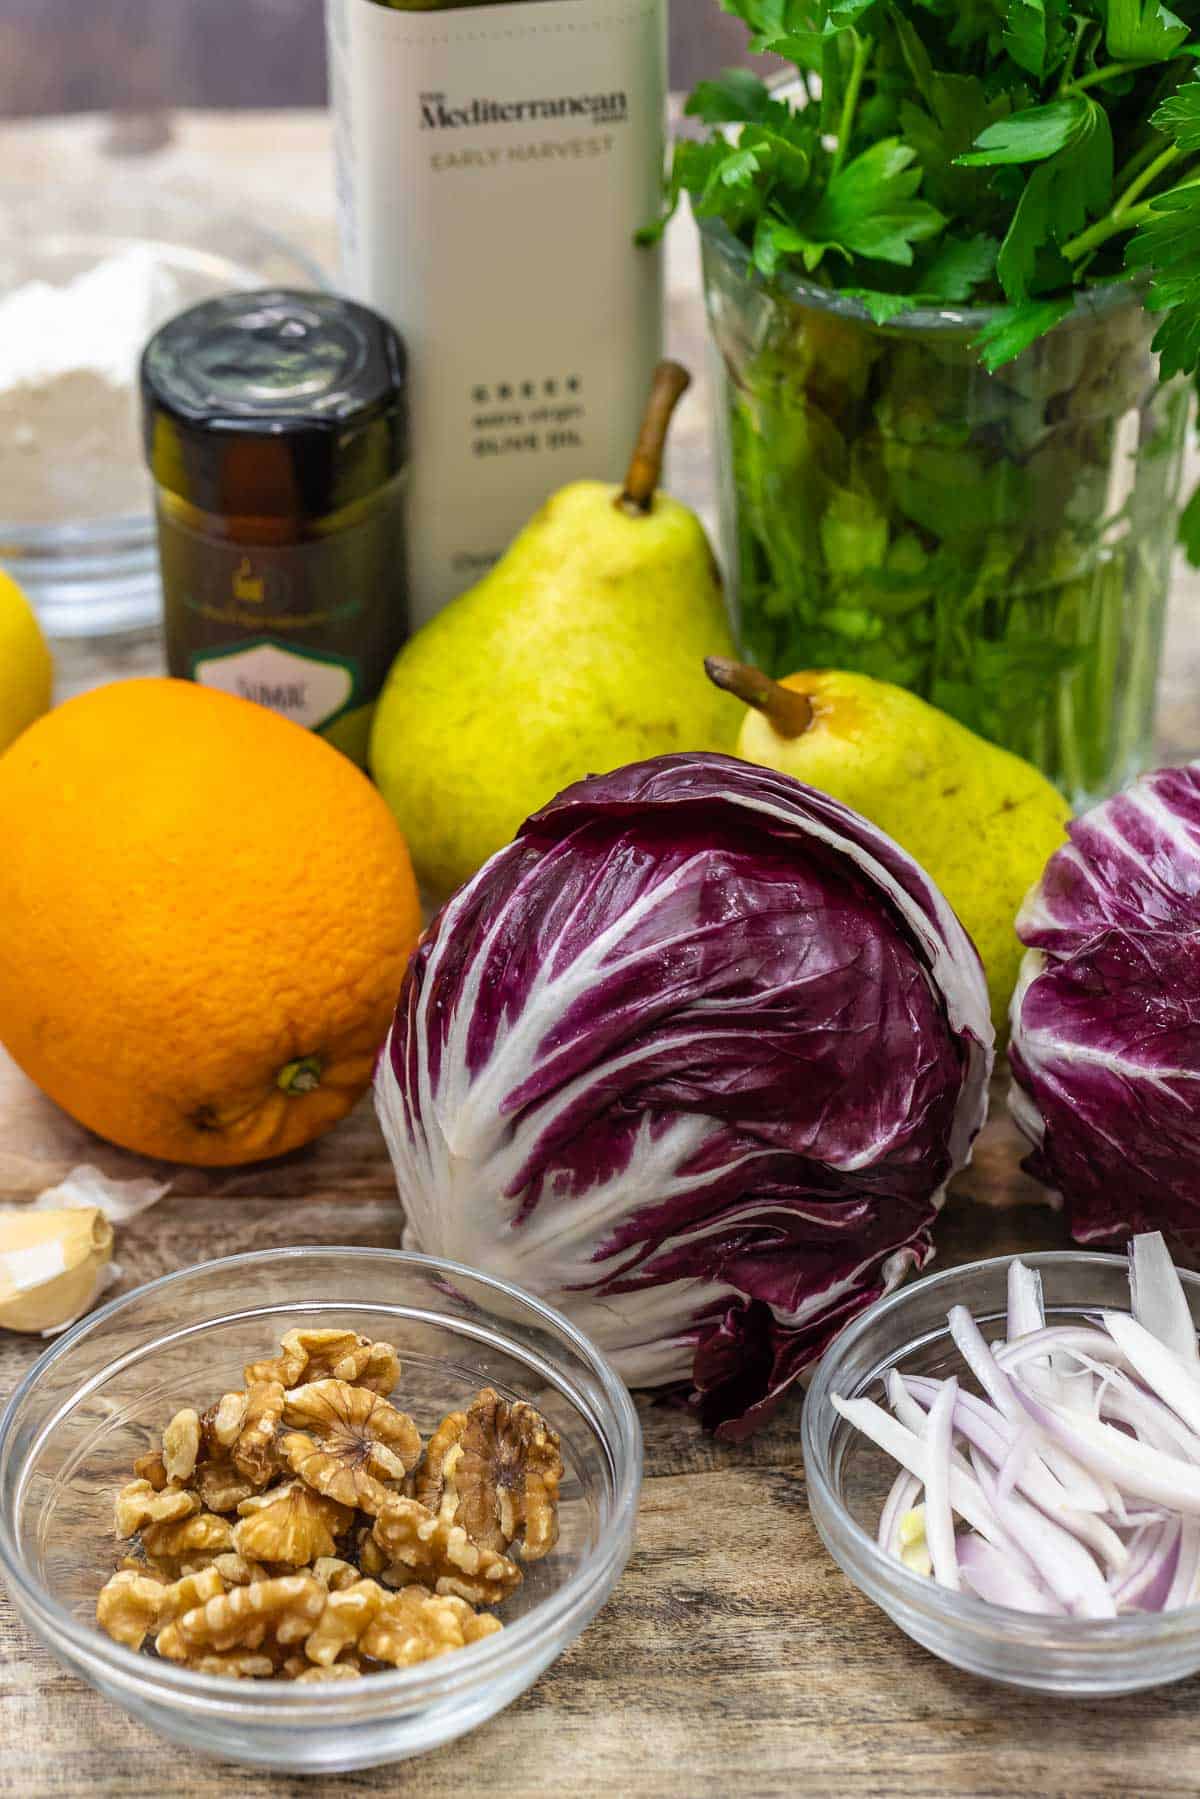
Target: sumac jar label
point(308, 629)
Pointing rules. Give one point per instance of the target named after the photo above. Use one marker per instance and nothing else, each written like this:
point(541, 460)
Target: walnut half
point(181, 1446)
point(495, 1469)
point(347, 1443)
point(138, 1505)
point(312, 1355)
point(290, 1524)
point(203, 1534)
point(418, 1626)
point(283, 1610)
point(443, 1554)
point(132, 1604)
point(401, 1628)
point(128, 1605)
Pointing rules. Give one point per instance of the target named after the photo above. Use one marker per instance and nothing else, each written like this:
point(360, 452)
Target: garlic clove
point(52, 1265)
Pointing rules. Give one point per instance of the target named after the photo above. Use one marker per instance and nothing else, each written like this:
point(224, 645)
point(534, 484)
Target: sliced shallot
point(1076, 1469)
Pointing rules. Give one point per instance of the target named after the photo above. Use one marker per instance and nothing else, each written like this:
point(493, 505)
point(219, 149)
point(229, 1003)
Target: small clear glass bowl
point(848, 1479)
point(76, 510)
point(101, 1396)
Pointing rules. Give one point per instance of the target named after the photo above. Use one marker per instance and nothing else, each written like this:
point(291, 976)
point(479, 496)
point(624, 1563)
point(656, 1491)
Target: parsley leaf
point(1061, 194)
point(768, 18)
point(1143, 31)
point(958, 268)
point(1014, 328)
point(718, 179)
point(1034, 134)
point(869, 209)
point(1029, 231)
point(1168, 244)
point(739, 177)
point(1179, 117)
point(959, 150)
point(955, 109)
point(805, 48)
point(775, 23)
point(1035, 34)
point(735, 95)
point(1189, 529)
point(785, 158)
point(882, 307)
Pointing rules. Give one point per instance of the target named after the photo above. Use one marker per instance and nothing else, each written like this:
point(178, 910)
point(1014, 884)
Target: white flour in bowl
point(69, 436)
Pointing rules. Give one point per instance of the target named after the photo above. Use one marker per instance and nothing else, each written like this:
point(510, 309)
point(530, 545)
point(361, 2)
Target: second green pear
point(980, 821)
point(581, 650)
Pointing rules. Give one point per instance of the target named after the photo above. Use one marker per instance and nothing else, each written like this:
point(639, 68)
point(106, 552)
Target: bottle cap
point(274, 404)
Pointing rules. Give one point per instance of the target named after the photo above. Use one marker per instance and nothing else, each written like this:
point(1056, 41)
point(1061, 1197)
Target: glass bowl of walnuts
point(315, 1509)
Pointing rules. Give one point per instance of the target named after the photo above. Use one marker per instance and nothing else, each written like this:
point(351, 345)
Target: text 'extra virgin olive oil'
point(494, 163)
point(275, 432)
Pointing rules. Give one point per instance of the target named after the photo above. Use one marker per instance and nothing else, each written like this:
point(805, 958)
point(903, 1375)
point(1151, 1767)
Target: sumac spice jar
point(275, 432)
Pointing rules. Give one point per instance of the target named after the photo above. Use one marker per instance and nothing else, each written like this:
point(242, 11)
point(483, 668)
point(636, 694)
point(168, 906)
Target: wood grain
point(734, 1658)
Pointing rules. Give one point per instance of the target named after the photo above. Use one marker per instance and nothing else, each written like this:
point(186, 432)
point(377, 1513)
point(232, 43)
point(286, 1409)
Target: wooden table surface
point(734, 1658)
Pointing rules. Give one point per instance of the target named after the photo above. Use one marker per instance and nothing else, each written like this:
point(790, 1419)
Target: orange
point(205, 914)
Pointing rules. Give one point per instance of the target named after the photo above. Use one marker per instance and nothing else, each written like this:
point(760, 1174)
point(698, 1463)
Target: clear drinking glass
point(101, 1396)
point(1000, 544)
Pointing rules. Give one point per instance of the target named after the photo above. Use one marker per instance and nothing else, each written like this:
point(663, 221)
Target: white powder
point(70, 448)
point(94, 324)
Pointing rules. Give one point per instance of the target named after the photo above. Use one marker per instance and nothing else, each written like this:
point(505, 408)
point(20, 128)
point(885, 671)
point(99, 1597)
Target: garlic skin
point(52, 1266)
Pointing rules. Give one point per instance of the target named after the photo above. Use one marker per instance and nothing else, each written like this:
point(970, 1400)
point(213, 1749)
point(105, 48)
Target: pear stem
point(671, 382)
point(789, 713)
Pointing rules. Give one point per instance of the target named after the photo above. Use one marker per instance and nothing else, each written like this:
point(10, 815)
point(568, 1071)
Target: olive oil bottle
point(495, 160)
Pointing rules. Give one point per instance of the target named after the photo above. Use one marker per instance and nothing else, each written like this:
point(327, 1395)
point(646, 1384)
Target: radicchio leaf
point(692, 1058)
point(1105, 1045)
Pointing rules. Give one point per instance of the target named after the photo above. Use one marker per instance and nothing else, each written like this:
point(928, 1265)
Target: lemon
point(26, 672)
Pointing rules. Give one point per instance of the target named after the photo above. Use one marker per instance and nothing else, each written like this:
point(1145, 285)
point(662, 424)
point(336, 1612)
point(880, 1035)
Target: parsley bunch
point(983, 152)
point(1001, 548)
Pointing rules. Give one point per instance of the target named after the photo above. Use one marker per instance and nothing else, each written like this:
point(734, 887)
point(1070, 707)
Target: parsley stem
point(1147, 178)
point(1111, 225)
point(1110, 72)
point(1138, 160)
point(1123, 211)
point(863, 47)
point(1082, 26)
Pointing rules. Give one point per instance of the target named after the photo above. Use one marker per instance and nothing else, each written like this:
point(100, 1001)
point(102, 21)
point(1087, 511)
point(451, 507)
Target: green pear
point(980, 821)
point(581, 650)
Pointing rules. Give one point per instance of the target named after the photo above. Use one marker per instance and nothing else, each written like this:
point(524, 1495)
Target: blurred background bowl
point(76, 525)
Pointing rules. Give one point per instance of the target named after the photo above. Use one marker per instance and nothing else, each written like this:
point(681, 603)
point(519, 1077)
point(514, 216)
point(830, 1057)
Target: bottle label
point(494, 163)
point(307, 689)
point(308, 629)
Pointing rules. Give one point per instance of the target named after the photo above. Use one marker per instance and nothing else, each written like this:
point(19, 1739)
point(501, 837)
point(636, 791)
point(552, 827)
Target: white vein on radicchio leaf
point(1106, 1016)
point(692, 1058)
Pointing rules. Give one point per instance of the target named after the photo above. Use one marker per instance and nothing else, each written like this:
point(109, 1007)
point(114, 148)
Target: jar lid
point(274, 404)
